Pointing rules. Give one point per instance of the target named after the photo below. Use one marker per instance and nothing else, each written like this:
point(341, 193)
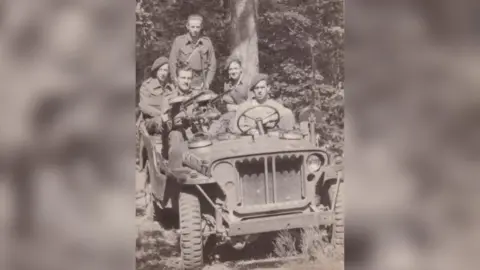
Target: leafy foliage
point(286, 31)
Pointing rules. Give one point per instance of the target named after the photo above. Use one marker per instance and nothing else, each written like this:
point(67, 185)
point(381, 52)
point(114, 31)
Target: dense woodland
point(283, 32)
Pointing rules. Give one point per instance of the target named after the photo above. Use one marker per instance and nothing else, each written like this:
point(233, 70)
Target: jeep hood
point(246, 146)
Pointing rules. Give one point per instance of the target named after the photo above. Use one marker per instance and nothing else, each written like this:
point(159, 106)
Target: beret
point(258, 78)
point(159, 62)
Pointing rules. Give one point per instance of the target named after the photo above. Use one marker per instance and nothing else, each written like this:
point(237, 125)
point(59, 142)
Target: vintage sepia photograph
point(239, 119)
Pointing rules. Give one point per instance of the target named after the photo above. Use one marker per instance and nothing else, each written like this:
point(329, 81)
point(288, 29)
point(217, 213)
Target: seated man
point(153, 95)
point(235, 93)
point(179, 127)
point(261, 107)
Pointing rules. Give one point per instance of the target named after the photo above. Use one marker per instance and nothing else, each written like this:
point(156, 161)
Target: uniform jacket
point(239, 93)
point(186, 52)
point(154, 97)
point(287, 119)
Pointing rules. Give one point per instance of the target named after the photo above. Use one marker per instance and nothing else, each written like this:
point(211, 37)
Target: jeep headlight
point(314, 162)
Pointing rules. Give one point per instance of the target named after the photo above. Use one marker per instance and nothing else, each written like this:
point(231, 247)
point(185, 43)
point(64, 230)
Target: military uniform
point(179, 132)
point(238, 95)
point(154, 102)
point(286, 121)
point(199, 56)
point(287, 118)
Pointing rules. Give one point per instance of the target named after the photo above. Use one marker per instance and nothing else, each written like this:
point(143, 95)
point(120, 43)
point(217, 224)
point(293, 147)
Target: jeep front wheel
point(191, 243)
point(338, 230)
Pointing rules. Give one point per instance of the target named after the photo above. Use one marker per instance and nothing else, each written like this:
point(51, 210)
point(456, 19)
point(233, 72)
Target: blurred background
point(67, 133)
point(67, 148)
point(412, 134)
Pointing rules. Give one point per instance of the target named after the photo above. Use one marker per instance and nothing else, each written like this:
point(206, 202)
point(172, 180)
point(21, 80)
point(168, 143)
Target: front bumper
point(279, 223)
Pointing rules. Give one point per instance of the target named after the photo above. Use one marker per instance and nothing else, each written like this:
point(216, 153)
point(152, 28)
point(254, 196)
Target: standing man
point(196, 52)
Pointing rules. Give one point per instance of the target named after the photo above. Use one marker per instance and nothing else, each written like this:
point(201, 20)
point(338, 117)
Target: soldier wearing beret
point(260, 87)
point(195, 51)
point(153, 95)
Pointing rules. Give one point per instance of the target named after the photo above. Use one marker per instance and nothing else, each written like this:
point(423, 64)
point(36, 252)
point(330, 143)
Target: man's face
point(194, 26)
point(184, 79)
point(261, 91)
point(234, 71)
point(162, 73)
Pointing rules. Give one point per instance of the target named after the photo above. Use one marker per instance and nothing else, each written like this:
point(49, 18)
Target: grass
point(312, 248)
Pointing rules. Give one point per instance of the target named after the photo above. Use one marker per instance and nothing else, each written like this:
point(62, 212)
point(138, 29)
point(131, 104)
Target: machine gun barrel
point(218, 97)
point(190, 101)
point(187, 102)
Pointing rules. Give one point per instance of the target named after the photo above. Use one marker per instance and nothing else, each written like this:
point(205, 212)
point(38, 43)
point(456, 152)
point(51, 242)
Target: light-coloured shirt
point(239, 93)
point(286, 118)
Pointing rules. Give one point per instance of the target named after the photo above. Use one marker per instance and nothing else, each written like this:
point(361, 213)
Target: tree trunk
point(244, 40)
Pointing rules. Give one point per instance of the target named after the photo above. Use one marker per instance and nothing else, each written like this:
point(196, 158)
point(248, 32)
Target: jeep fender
point(187, 176)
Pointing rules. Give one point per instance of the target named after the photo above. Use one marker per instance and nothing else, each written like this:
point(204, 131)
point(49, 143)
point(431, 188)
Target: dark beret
point(258, 78)
point(159, 62)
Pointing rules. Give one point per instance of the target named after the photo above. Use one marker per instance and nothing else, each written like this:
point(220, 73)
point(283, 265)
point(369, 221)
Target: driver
point(261, 89)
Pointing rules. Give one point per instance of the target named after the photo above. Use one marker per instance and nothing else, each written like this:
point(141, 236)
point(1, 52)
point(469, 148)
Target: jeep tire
point(338, 230)
point(191, 243)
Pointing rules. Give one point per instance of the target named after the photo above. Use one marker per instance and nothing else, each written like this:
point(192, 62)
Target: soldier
point(237, 95)
point(196, 51)
point(261, 90)
point(179, 128)
point(153, 95)
point(235, 84)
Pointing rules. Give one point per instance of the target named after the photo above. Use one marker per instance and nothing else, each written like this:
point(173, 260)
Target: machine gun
point(219, 97)
point(182, 102)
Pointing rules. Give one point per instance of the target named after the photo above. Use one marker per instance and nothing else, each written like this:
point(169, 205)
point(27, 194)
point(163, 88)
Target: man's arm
point(287, 118)
point(143, 105)
point(212, 61)
point(148, 109)
point(172, 60)
point(232, 107)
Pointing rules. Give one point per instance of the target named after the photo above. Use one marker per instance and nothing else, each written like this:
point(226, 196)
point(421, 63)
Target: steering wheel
point(269, 118)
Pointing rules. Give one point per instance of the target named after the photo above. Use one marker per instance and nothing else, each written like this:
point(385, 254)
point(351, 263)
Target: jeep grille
point(270, 179)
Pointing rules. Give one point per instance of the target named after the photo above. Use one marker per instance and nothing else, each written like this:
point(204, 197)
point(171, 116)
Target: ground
point(157, 248)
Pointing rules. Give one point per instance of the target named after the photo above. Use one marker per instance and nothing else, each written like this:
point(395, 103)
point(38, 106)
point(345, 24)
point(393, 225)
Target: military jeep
point(234, 187)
